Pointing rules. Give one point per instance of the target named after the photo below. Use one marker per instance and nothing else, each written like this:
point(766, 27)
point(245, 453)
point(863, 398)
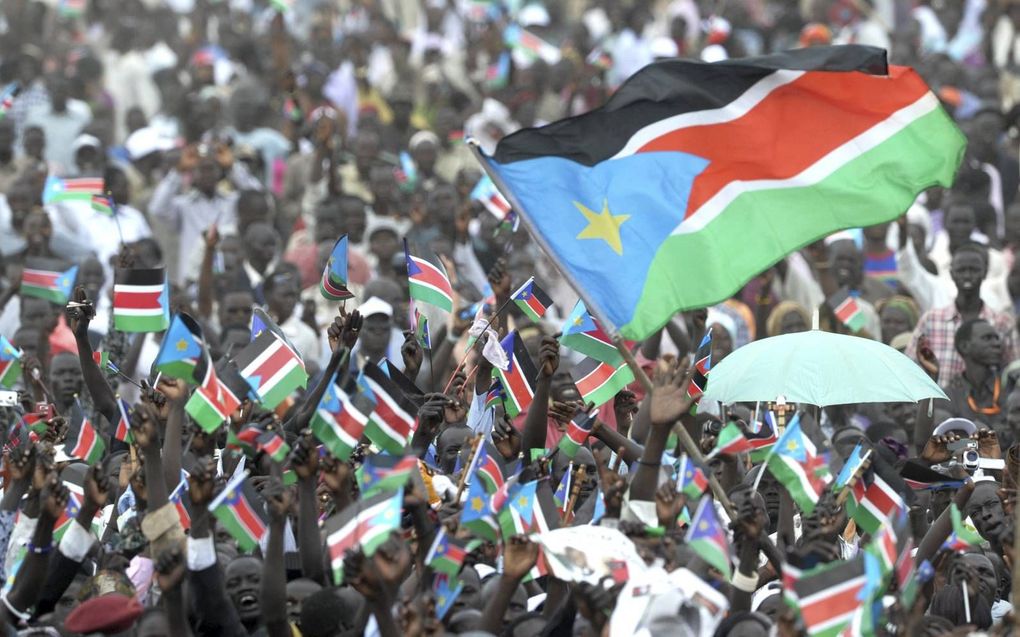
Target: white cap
point(533, 15)
point(375, 305)
point(145, 141)
point(84, 140)
point(663, 47)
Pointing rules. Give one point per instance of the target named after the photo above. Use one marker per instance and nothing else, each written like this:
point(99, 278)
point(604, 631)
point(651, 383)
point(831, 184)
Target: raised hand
point(337, 475)
point(201, 483)
point(170, 568)
point(669, 396)
point(668, 504)
point(78, 318)
point(564, 412)
point(519, 556)
point(499, 279)
point(432, 414)
point(988, 444)
point(145, 426)
point(625, 405)
point(173, 389)
point(506, 439)
point(54, 497)
point(305, 459)
point(926, 357)
point(350, 327)
point(412, 354)
point(280, 499)
point(20, 461)
point(936, 450)
point(96, 487)
point(548, 357)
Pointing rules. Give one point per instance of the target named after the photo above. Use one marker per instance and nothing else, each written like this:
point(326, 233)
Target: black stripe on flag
point(138, 276)
point(386, 384)
point(678, 86)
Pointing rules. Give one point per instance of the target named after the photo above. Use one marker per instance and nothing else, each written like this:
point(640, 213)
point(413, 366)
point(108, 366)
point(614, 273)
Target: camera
point(88, 311)
point(966, 453)
point(9, 398)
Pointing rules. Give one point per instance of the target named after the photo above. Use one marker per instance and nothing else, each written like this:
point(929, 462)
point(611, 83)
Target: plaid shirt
point(940, 325)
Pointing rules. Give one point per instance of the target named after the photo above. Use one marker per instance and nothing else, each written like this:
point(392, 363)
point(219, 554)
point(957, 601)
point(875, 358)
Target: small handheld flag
point(88, 445)
point(582, 333)
point(340, 419)
point(385, 472)
point(599, 382)
point(141, 300)
point(123, 430)
point(272, 368)
point(333, 284)
point(367, 523)
point(393, 420)
point(532, 300)
point(702, 365)
point(51, 285)
point(240, 510)
point(10, 363)
point(846, 308)
point(707, 538)
point(83, 189)
point(519, 378)
point(576, 434)
point(428, 283)
point(182, 349)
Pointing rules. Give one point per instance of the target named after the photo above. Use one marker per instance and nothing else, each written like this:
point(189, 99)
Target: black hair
point(973, 248)
point(964, 332)
point(948, 603)
point(284, 272)
point(321, 613)
point(880, 430)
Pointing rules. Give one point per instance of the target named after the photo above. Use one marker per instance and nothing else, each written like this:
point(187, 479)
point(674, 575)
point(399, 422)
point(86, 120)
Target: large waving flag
point(141, 300)
point(428, 283)
point(829, 595)
point(633, 199)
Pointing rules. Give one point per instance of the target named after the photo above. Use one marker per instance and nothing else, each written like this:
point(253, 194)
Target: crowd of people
point(236, 141)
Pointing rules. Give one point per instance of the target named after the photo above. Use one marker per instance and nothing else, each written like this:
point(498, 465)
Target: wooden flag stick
point(575, 490)
point(462, 480)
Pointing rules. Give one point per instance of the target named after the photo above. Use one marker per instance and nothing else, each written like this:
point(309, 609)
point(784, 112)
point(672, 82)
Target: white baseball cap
point(375, 305)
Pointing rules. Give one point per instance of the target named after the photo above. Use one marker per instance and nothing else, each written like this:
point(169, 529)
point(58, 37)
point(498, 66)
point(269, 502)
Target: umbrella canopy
point(819, 368)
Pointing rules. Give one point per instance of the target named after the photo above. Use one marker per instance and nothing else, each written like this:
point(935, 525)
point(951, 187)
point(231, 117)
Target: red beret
point(111, 613)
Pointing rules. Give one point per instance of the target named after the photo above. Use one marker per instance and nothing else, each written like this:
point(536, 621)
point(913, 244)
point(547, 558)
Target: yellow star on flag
point(182, 345)
point(703, 526)
point(791, 446)
point(602, 225)
point(477, 504)
point(522, 501)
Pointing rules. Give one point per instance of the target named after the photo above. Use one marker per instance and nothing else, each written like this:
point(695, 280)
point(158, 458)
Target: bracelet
point(453, 338)
point(746, 583)
point(649, 463)
point(39, 550)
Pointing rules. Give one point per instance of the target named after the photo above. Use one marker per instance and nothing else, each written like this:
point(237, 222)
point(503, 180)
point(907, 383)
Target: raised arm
point(305, 463)
point(102, 394)
point(274, 577)
point(535, 423)
point(669, 403)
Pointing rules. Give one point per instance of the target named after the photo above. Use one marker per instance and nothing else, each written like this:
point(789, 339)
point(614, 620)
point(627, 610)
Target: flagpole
point(685, 438)
point(575, 490)
point(463, 359)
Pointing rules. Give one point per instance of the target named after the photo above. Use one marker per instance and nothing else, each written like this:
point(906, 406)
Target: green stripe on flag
point(204, 412)
point(790, 218)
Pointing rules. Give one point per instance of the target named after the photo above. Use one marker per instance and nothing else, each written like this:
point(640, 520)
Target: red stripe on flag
point(135, 300)
point(393, 416)
point(350, 540)
point(828, 607)
point(40, 278)
point(518, 385)
point(248, 518)
point(535, 305)
point(86, 440)
point(795, 123)
point(431, 275)
point(273, 363)
point(595, 378)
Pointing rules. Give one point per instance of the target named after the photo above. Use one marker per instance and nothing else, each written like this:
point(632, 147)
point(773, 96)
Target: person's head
point(470, 594)
point(770, 491)
point(518, 601)
point(22, 198)
point(329, 612)
point(37, 230)
point(31, 341)
point(91, 276)
point(968, 268)
point(985, 509)
point(252, 207)
point(60, 91)
point(38, 313)
point(297, 592)
point(976, 564)
point(33, 142)
point(1013, 413)
point(979, 343)
point(116, 183)
point(390, 291)
point(354, 218)
point(282, 290)
point(448, 446)
point(243, 584)
point(960, 222)
point(948, 603)
point(385, 189)
point(235, 308)
point(206, 175)
point(262, 243)
point(377, 317)
point(152, 623)
point(65, 378)
point(847, 263)
point(424, 151)
point(898, 314)
point(88, 155)
point(383, 242)
point(366, 152)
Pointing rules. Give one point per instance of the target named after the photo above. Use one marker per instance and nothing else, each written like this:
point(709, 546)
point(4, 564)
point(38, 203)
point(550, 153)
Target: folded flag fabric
point(394, 418)
point(141, 300)
point(532, 300)
point(690, 478)
point(7, 98)
point(962, 537)
point(340, 419)
point(52, 285)
point(530, 45)
point(495, 396)
point(794, 461)
point(446, 555)
point(122, 431)
point(874, 501)
point(850, 468)
point(598, 382)
point(485, 468)
point(486, 193)
point(261, 322)
point(846, 308)
point(272, 368)
point(420, 323)
point(576, 434)
point(519, 378)
point(702, 366)
point(219, 394)
point(56, 189)
point(582, 333)
point(428, 283)
point(385, 472)
point(273, 445)
point(477, 516)
point(829, 595)
point(632, 197)
point(730, 441)
point(920, 477)
point(763, 438)
point(367, 523)
point(446, 590)
point(333, 284)
point(10, 363)
point(707, 537)
point(562, 493)
point(88, 445)
point(241, 511)
point(182, 349)
point(182, 502)
point(104, 205)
